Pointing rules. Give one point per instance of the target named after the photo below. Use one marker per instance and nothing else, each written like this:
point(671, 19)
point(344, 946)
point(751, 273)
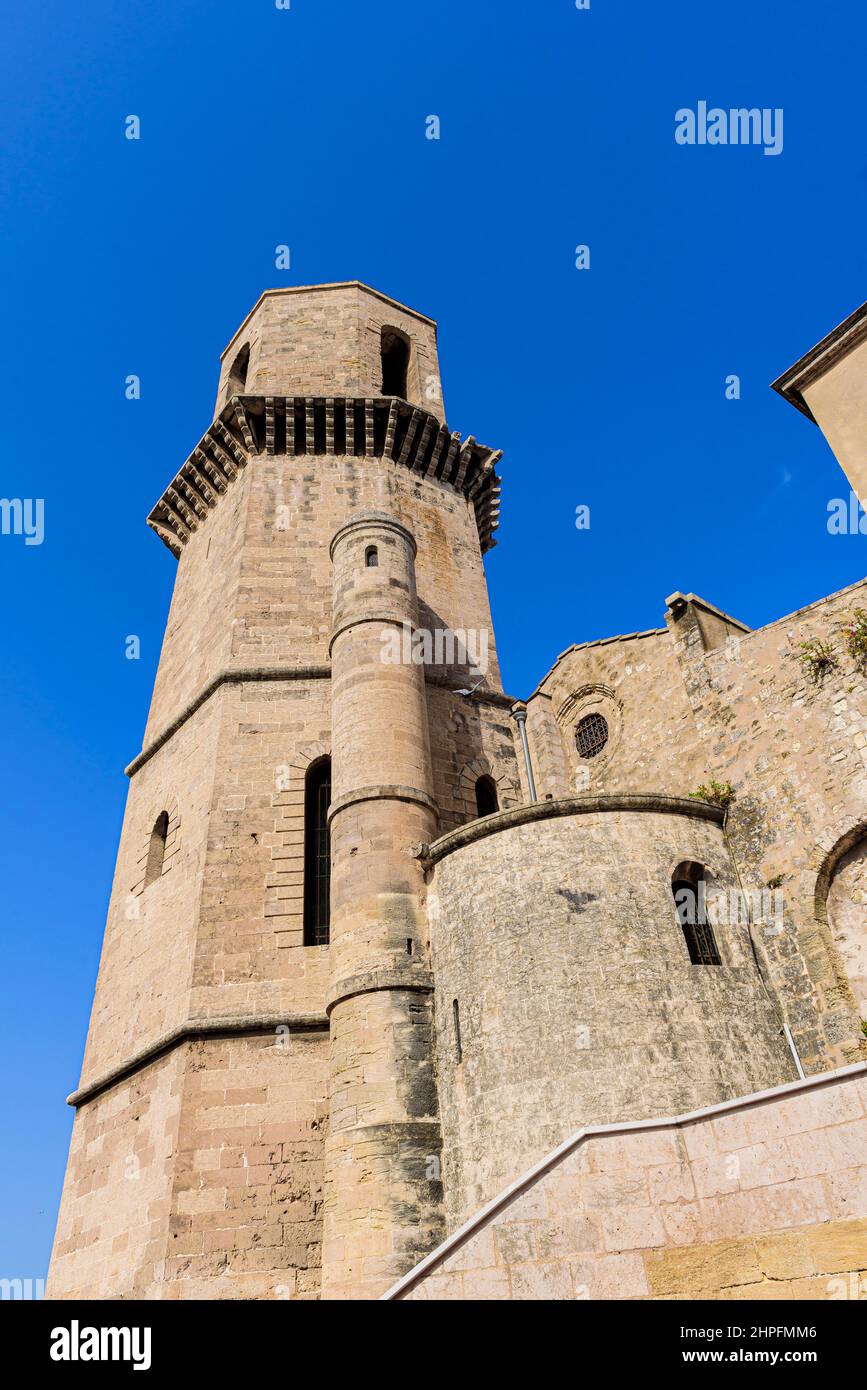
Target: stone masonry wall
point(636, 684)
point(111, 1231)
point(556, 937)
point(254, 581)
point(200, 1176)
point(744, 711)
point(327, 341)
point(246, 1211)
point(146, 967)
point(795, 751)
point(250, 953)
point(763, 1199)
point(198, 640)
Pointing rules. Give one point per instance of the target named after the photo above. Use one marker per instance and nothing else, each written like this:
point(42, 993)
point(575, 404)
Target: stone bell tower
point(257, 1112)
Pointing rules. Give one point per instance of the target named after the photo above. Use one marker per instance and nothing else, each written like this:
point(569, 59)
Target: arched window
point(394, 347)
point(690, 904)
point(371, 557)
point(847, 894)
point(317, 854)
point(157, 848)
point(238, 372)
point(486, 796)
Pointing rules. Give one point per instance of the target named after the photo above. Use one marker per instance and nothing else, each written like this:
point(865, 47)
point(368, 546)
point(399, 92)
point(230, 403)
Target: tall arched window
point(394, 347)
point(317, 854)
point(486, 796)
point(157, 848)
point(847, 894)
point(238, 372)
point(690, 905)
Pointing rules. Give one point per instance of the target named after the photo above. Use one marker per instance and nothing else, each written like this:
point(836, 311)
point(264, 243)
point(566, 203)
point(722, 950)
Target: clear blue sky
point(603, 387)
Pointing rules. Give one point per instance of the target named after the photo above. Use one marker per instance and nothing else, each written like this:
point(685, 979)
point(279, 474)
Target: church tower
point(257, 1113)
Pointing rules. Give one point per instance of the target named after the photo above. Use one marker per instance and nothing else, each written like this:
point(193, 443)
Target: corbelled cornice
point(371, 427)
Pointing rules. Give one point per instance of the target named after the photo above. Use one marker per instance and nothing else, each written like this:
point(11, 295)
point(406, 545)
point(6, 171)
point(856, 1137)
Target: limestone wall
point(636, 684)
point(200, 1176)
point(246, 1205)
point(250, 952)
point(146, 967)
point(110, 1240)
point(794, 747)
point(325, 340)
point(707, 700)
point(763, 1198)
point(555, 936)
point(254, 581)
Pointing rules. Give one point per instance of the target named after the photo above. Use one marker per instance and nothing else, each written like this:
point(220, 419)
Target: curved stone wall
point(553, 930)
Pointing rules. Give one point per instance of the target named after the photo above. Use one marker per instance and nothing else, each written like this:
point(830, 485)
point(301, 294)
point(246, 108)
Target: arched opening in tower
point(238, 372)
point(394, 347)
point(486, 796)
point(157, 849)
point(689, 890)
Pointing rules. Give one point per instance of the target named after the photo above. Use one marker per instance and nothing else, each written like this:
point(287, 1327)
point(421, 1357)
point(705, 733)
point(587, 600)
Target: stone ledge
point(363, 521)
point(417, 980)
point(381, 792)
point(192, 1029)
point(398, 617)
point(231, 676)
point(237, 676)
point(567, 806)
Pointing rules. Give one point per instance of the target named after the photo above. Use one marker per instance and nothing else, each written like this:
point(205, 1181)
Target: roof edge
point(820, 359)
point(329, 285)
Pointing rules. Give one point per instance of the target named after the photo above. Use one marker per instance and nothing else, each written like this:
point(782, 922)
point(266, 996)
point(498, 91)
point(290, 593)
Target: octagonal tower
point(210, 1082)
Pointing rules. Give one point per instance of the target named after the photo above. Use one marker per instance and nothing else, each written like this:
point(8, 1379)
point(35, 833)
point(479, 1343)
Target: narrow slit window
point(486, 797)
point(157, 849)
point(456, 1015)
point(689, 906)
point(371, 557)
point(317, 854)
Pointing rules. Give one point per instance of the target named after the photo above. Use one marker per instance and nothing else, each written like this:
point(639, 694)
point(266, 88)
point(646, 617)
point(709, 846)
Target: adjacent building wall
point(829, 384)
point(793, 744)
point(710, 699)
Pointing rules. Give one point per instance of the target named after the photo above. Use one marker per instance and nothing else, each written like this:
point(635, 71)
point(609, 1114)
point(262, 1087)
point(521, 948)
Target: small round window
point(591, 735)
